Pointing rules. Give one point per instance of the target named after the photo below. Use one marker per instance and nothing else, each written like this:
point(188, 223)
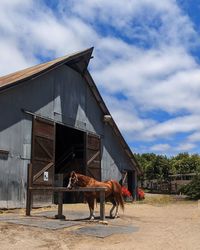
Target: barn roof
point(79, 62)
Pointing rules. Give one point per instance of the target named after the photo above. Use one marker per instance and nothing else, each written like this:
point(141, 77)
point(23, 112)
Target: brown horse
point(113, 192)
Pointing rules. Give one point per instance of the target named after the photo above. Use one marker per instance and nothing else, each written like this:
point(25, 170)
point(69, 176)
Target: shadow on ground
point(76, 221)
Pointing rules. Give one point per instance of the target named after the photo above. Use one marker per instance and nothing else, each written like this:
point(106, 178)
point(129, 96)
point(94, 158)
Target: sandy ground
point(162, 225)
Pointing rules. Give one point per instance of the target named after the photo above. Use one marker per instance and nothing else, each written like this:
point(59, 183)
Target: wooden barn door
point(93, 156)
point(43, 148)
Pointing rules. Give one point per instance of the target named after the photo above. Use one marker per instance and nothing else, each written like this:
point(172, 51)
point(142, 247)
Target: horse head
point(73, 179)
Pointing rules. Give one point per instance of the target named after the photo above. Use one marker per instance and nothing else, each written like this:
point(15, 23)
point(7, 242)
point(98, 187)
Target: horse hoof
point(117, 215)
point(114, 217)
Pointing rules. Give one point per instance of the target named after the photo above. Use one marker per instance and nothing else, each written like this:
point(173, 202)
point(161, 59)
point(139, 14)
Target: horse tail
point(117, 193)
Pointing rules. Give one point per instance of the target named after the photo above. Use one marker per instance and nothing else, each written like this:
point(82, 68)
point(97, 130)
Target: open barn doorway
point(69, 156)
point(59, 149)
point(128, 180)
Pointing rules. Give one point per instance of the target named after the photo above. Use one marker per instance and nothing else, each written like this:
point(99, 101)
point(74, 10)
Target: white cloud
point(195, 137)
point(61, 38)
point(145, 20)
point(33, 30)
point(11, 57)
point(126, 116)
point(179, 92)
point(165, 148)
point(166, 129)
point(185, 147)
point(161, 148)
point(158, 79)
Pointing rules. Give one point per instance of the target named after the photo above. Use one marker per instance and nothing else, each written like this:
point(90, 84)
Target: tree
point(160, 166)
point(154, 166)
point(195, 159)
point(145, 161)
point(162, 163)
point(184, 163)
point(192, 189)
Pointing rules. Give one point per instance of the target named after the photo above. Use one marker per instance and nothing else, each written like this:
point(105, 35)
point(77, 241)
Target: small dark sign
point(4, 154)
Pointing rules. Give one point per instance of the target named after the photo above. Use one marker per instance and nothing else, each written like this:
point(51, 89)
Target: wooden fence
point(165, 187)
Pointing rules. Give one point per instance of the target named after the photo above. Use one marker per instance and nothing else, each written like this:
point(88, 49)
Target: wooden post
point(135, 194)
point(176, 188)
point(60, 207)
point(102, 205)
point(29, 193)
point(60, 198)
point(170, 188)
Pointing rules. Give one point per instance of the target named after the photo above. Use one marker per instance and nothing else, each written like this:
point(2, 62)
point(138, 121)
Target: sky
point(146, 61)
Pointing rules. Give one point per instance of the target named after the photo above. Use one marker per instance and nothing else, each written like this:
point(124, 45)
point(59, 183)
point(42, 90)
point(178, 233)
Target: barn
point(53, 116)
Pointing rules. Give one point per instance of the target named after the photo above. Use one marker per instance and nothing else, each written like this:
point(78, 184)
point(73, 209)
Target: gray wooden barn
point(53, 116)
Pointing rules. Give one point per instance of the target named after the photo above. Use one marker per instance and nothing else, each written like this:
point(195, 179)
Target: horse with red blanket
point(113, 192)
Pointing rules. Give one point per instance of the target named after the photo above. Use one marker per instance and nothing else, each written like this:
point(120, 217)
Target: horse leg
point(113, 207)
point(111, 211)
point(116, 211)
point(91, 207)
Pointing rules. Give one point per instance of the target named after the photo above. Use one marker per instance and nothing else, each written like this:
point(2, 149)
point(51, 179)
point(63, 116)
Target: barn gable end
point(63, 92)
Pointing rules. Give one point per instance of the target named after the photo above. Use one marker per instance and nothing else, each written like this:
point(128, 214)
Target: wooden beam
point(64, 189)
point(35, 177)
point(93, 157)
point(102, 205)
point(29, 193)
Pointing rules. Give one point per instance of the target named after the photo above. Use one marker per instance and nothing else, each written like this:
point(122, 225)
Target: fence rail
point(169, 188)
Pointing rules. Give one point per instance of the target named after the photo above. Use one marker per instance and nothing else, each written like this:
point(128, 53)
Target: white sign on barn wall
point(46, 176)
point(26, 151)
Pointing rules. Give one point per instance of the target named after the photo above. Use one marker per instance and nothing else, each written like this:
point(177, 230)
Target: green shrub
point(192, 189)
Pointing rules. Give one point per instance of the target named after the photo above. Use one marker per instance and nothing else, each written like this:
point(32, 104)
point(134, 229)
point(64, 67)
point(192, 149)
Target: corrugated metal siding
point(4, 176)
point(12, 178)
point(94, 114)
point(114, 158)
point(69, 104)
point(15, 135)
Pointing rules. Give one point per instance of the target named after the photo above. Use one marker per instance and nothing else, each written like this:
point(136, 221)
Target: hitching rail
point(60, 191)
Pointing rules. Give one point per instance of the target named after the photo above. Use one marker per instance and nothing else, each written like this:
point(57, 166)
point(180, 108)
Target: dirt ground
point(162, 223)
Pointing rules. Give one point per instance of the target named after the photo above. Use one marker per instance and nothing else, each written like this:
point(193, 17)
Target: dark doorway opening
point(128, 180)
point(69, 156)
point(132, 184)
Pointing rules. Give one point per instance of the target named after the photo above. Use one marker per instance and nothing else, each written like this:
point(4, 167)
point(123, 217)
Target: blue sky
point(146, 60)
